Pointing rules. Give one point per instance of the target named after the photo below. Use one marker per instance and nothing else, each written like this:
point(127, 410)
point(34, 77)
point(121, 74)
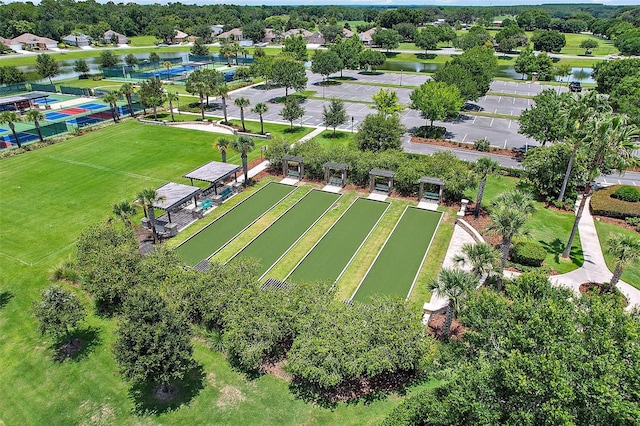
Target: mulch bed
point(434, 327)
point(469, 146)
point(615, 221)
point(69, 349)
point(601, 288)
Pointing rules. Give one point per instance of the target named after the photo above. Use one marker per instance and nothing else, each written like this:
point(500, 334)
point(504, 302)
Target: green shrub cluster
point(482, 145)
point(627, 193)
point(633, 221)
point(528, 253)
point(429, 132)
point(603, 204)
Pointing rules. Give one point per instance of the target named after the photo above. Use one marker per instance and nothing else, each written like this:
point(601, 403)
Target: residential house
point(108, 35)
point(367, 37)
point(5, 41)
point(316, 38)
point(77, 40)
point(347, 33)
point(271, 36)
point(28, 41)
point(234, 34)
point(180, 37)
point(306, 34)
point(216, 30)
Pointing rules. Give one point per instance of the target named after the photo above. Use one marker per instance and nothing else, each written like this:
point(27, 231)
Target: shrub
point(528, 253)
point(633, 221)
point(482, 145)
point(603, 204)
point(627, 193)
point(428, 132)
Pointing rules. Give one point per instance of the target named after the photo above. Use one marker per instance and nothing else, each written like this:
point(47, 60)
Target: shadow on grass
point(147, 397)
point(5, 298)
point(328, 83)
point(294, 130)
point(426, 56)
point(391, 54)
point(371, 72)
point(337, 135)
point(83, 342)
point(343, 78)
point(556, 247)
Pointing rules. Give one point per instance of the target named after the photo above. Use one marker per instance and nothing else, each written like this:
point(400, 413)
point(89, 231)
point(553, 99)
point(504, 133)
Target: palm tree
point(127, 90)
point(516, 199)
point(125, 210)
point(227, 50)
point(111, 98)
point(201, 88)
point(146, 198)
point(509, 222)
point(10, 117)
point(222, 90)
point(484, 167)
point(35, 116)
point(483, 258)
point(171, 96)
point(625, 248)
point(260, 108)
point(455, 285)
point(222, 144)
point(243, 145)
point(242, 103)
point(610, 141)
point(167, 65)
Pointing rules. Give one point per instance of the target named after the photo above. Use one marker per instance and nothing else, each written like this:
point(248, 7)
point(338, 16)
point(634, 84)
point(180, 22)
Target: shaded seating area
point(293, 167)
point(172, 198)
point(431, 189)
point(329, 174)
point(381, 180)
point(215, 173)
point(23, 101)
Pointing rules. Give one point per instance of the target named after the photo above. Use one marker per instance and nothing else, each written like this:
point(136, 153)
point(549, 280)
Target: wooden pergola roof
point(292, 158)
point(174, 194)
point(432, 180)
point(382, 173)
point(213, 172)
point(336, 166)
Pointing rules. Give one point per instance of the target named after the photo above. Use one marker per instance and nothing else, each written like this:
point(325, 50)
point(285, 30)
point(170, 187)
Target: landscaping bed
point(464, 145)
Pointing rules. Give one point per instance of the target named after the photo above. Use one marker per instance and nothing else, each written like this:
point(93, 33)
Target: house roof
point(181, 34)
point(347, 33)
point(109, 33)
point(5, 41)
point(27, 38)
point(298, 31)
point(367, 35)
point(79, 37)
point(237, 32)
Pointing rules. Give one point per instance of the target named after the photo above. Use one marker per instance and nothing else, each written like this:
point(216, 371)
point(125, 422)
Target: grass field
point(401, 258)
point(276, 240)
point(217, 234)
point(631, 274)
point(142, 41)
point(334, 251)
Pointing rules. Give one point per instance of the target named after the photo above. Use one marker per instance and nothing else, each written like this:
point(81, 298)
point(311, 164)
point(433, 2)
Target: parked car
point(575, 86)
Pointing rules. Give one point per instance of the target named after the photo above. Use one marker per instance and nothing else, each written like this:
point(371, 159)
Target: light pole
point(178, 100)
point(322, 87)
point(400, 77)
point(351, 124)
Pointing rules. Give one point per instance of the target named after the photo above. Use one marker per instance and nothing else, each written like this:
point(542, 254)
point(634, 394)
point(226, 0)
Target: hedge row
point(604, 204)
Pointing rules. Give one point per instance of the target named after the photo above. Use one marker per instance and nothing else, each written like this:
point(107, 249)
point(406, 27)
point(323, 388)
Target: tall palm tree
point(125, 210)
point(243, 145)
point(171, 96)
point(10, 118)
point(455, 285)
point(260, 108)
point(35, 116)
point(625, 248)
point(611, 142)
point(222, 90)
point(484, 167)
point(167, 65)
point(242, 103)
point(222, 144)
point(483, 258)
point(146, 198)
point(517, 199)
point(227, 50)
point(509, 222)
point(111, 98)
point(127, 90)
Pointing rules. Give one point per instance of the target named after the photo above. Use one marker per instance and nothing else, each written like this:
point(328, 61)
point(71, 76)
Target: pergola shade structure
point(172, 196)
point(382, 185)
point(288, 171)
point(329, 179)
point(434, 189)
point(213, 172)
point(23, 101)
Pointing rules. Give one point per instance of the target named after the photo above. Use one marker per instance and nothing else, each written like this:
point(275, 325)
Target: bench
point(294, 173)
point(431, 196)
point(381, 187)
point(205, 204)
point(335, 181)
point(226, 192)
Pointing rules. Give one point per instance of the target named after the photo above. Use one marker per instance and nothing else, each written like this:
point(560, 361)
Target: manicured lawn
point(335, 250)
point(572, 47)
point(397, 265)
point(142, 41)
point(224, 229)
point(341, 138)
point(270, 245)
point(281, 131)
point(631, 274)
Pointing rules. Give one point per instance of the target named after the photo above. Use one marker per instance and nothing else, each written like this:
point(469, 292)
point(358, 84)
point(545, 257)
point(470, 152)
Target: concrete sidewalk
point(594, 268)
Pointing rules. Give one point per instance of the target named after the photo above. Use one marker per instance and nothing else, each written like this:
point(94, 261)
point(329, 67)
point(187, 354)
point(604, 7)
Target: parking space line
point(509, 124)
point(474, 119)
point(465, 136)
point(491, 124)
point(514, 100)
point(505, 144)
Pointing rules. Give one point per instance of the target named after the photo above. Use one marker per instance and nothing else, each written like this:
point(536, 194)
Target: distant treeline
point(57, 18)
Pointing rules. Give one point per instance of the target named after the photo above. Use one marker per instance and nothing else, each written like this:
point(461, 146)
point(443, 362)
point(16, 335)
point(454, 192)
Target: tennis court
point(55, 115)
point(328, 259)
point(398, 263)
point(93, 106)
point(44, 101)
point(219, 233)
point(275, 241)
point(73, 111)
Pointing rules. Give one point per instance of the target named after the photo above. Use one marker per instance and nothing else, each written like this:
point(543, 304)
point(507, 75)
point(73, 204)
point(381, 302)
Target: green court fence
point(77, 91)
point(44, 87)
point(49, 130)
point(13, 88)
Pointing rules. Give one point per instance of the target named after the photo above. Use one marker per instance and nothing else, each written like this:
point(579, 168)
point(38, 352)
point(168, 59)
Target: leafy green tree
point(292, 110)
point(472, 72)
point(387, 39)
point(199, 48)
point(454, 285)
point(46, 66)
point(127, 90)
point(548, 40)
point(222, 144)
point(197, 84)
point(609, 74)
point(152, 341)
point(525, 62)
point(326, 62)
point(484, 167)
point(152, 94)
point(80, 66)
point(227, 49)
point(625, 249)
point(153, 57)
point(482, 257)
point(289, 73)
point(348, 50)
point(588, 45)
point(371, 59)
point(512, 33)
point(476, 36)
point(242, 103)
point(11, 75)
point(625, 97)
point(628, 43)
point(563, 70)
point(261, 108)
point(544, 121)
point(407, 30)
point(386, 101)
point(427, 38)
point(243, 145)
point(610, 141)
point(125, 210)
point(254, 31)
point(544, 67)
point(130, 59)
point(108, 59)
point(168, 65)
point(242, 74)
point(436, 101)
point(10, 118)
point(330, 32)
point(379, 132)
point(35, 116)
point(295, 45)
point(112, 98)
point(58, 312)
point(335, 115)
